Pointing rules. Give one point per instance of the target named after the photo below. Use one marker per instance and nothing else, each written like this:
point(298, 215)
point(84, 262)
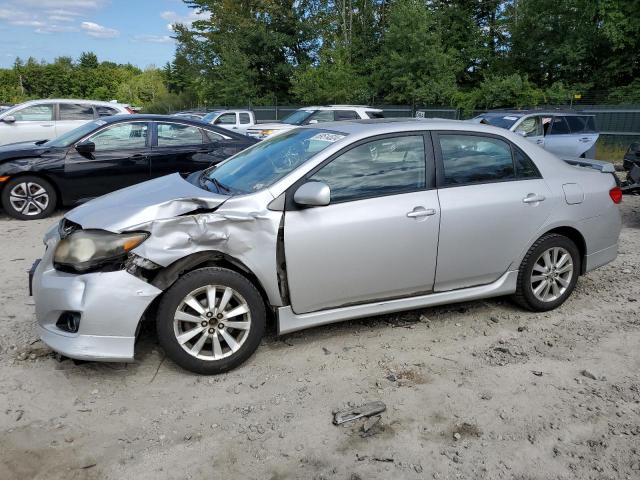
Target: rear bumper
point(110, 305)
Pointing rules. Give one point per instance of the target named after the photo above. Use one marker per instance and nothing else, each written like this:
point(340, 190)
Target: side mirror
point(86, 147)
point(313, 122)
point(313, 194)
point(9, 119)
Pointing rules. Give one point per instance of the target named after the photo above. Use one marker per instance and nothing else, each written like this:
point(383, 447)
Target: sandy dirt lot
point(475, 390)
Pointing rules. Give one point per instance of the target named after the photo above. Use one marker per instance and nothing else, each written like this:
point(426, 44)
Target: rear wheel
point(29, 198)
point(211, 320)
point(548, 273)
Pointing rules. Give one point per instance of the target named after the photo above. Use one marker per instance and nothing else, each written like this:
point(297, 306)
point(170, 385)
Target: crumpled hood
point(21, 150)
point(164, 197)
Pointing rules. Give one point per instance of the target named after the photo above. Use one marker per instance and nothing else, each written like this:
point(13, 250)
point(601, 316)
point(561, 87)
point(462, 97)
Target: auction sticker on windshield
point(327, 137)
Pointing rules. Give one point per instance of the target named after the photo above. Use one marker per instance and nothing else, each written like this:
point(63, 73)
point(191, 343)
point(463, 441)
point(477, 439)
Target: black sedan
point(106, 155)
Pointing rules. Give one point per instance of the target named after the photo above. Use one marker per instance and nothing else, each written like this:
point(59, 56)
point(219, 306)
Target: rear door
point(378, 237)
point(492, 200)
point(186, 148)
point(120, 159)
point(558, 139)
point(72, 115)
point(583, 134)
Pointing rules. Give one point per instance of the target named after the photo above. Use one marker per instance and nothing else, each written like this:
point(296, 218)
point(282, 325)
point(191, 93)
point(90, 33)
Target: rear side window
point(345, 115)
point(590, 123)
point(174, 134)
point(103, 111)
point(75, 111)
point(380, 167)
point(471, 159)
point(374, 114)
point(559, 126)
point(576, 124)
point(245, 118)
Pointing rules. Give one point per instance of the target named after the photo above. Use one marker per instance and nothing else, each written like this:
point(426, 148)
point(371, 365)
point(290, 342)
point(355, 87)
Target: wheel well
point(168, 275)
point(576, 237)
point(43, 177)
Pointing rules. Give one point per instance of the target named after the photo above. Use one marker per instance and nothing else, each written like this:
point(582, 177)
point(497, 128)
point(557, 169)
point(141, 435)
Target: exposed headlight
point(266, 132)
point(86, 249)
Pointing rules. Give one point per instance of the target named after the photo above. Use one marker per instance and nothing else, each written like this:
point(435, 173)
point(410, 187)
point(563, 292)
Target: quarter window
point(345, 115)
point(525, 168)
point(103, 111)
point(121, 136)
point(174, 134)
point(475, 159)
point(381, 167)
point(35, 113)
point(75, 111)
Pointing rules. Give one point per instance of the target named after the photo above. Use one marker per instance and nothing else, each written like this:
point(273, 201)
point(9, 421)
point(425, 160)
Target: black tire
point(524, 295)
point(34, 207)
point(190, 282)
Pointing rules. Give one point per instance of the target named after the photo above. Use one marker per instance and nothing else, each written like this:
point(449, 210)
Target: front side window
point(175, 134)
point(559, 126)
point(381, 167)
point(530, 127)
point(75, 111)
point(471, 159)
point(35, 113)
point(266, 162)
point(322, 116)
point(226, 119)
point(298, 117)
point(121, 136)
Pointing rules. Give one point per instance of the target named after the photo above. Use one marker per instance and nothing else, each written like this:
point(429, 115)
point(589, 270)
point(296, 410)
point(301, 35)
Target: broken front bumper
point(110, 306)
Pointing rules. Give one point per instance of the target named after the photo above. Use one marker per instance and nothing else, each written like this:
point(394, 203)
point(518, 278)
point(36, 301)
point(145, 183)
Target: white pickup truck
point(237, 120)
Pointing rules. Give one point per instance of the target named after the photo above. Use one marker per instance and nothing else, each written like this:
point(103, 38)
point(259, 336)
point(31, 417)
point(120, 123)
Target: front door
point(33, 122)
point(531, 129)
point(378, 237)
point(493, 202)
point(120, 159)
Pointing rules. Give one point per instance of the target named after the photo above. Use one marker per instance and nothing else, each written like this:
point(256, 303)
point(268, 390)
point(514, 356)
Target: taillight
point(616, 194)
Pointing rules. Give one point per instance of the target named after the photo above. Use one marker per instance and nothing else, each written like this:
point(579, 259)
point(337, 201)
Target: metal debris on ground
point(367, 410)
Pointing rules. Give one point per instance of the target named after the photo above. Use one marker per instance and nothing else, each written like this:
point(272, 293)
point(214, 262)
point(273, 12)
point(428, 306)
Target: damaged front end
point(111, 258)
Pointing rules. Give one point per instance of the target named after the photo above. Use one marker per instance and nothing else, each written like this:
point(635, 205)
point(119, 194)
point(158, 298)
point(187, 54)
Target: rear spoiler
point(604, 167)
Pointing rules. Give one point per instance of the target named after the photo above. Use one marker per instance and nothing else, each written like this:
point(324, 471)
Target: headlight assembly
point(83, 250)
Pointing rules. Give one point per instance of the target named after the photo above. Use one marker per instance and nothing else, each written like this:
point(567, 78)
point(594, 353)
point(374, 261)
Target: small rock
point(299, 448)
point(523, 328)
point(494, 319)
point(457, 436)
point(588, 374)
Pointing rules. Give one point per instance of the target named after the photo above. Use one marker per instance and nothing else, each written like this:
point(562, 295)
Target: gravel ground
point(475, 390)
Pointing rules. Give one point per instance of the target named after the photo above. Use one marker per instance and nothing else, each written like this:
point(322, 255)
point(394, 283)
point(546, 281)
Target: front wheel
point(29, 198)
point(211, 320)
point(548, 273)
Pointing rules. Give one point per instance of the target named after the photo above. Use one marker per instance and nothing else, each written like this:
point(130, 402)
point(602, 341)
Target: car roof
point(533, 111)
point(380, 126)
point(339, 107)
point(73, 100)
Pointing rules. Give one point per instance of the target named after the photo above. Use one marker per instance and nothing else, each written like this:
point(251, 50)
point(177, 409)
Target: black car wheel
point(211, 320)
point(29, 198)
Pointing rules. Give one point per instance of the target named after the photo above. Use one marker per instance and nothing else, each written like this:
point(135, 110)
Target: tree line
point(466, 54)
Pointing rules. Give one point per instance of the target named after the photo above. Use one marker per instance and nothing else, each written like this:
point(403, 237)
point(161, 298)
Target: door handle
point(46, 125)
point(421, 212)
point(585, 139)
point(533, 198)
point(539, 141)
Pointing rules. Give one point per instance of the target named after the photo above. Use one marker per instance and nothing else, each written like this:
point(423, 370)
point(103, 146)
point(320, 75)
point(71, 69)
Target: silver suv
point(317, 225)
point(567, 134)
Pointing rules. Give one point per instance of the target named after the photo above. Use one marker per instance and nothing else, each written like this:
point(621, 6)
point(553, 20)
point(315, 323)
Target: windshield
point(74, 135)
point(502, 121)
point(268, 161)
point(298, 117)
point(210, 116)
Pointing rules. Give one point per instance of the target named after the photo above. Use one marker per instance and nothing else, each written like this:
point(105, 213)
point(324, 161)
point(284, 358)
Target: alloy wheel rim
point(212, 322)
point(29, 198)
point(551, 274)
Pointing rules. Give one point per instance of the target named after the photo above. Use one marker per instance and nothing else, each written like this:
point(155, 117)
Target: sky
point(123, 31)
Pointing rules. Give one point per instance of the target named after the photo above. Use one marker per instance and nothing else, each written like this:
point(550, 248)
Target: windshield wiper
point(219, 186)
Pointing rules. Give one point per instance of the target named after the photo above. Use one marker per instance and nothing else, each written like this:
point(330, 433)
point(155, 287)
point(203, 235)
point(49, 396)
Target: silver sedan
point(318, 225)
